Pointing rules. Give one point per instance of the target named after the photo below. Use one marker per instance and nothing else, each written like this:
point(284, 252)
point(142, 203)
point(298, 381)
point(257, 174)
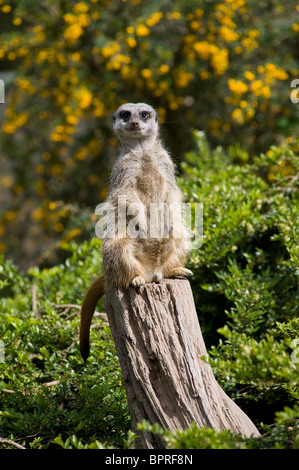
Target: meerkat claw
point(138, 281)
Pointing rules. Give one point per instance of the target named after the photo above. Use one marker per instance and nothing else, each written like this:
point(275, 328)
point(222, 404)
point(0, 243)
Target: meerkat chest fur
point(152, 181)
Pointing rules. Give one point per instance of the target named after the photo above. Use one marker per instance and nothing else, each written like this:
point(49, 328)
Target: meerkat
point(143, 176)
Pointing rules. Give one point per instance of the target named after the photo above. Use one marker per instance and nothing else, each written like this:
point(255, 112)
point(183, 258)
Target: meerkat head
point(135, 121)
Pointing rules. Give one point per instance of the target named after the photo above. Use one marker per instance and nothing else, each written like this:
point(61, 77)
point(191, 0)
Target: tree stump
point(159, 343)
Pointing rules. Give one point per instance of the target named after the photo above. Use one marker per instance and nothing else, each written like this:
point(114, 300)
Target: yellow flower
point(73, 233)
point(118, 61)
point(76, 56)
point(196, 25)
point(142, 30)
point(6, 181)
point(72, 119)
point(219, 61)
point(199, 12)
point(37, 214)
point(99, 110)
point(17, 21)
point(266, 92)
point(238, 116)
point(155, 18)
point(203, 49)
point(25, 85)
point(6, 8)
point(258, 88)
point(84, 97)
point(10, 215)
point(11, 56)
point(72, 33)
point(80, 7)
point(272, 71)
point(281, 74)
point(58, 227)
point(228, 34)
point(176, 15)
point(131, 42)
point(238, 50)
point(146, 73)
point(110, 49)
point(204, 75)
point(183, 78)
point(249, 43)
point(69, 18)
point(249, 75)
point(237, 86)
point(164, 68)
point(81, 154)
point(83, 19)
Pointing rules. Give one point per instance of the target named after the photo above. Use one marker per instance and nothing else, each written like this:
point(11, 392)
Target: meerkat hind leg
point(179, 271)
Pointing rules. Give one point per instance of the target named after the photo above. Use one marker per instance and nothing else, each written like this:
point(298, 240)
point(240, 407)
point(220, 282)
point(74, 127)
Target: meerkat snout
point(135, 124)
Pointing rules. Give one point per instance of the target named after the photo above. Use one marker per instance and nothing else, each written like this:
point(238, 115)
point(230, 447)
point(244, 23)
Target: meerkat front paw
point(157, 277)
point(180, 272)
point(138, 281)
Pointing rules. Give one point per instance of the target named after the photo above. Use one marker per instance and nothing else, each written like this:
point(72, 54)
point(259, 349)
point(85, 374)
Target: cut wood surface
point(159, 344)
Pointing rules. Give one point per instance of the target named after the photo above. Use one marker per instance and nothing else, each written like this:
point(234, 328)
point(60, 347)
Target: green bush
point(246, 272)
point(245, 286)
point(45, 390)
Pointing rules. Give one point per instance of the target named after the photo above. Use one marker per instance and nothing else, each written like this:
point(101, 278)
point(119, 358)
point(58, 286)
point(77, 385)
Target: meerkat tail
point(93, 295)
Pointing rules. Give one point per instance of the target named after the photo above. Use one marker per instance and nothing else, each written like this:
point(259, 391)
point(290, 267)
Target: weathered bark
point(159, 343)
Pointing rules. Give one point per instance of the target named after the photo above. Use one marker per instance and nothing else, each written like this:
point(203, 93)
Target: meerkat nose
point(135, 124)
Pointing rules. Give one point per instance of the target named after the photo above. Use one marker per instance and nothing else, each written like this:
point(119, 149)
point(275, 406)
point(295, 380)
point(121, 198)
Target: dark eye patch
point(144, 115)
point(125, 115)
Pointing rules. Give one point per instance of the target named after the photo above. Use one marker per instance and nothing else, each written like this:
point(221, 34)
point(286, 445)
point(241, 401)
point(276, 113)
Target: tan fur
point(143, 173)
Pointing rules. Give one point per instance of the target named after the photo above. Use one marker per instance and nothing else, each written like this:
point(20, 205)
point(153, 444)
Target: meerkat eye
point(144, 115)
point(125, 115)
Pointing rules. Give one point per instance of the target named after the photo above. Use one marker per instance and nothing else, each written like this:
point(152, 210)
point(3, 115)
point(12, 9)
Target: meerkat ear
point(114, 117)
point(156, 116)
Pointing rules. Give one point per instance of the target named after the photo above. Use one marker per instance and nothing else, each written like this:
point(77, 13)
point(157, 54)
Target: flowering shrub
point(225, 67)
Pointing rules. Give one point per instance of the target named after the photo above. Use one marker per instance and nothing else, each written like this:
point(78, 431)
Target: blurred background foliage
point(222, 66)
